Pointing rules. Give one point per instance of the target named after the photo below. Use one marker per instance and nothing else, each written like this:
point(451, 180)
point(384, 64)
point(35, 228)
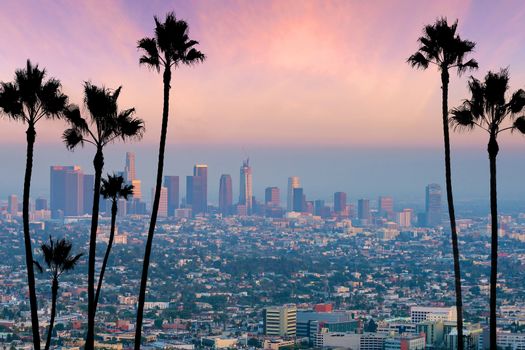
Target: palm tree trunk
point(108, 250)
point(451, 211)
point(493, 149)
point(98, 163)
point(54, 295)
point(30, 135)
point(155, 208)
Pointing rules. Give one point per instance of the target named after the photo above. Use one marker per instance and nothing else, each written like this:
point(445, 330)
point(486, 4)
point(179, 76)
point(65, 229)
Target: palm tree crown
point(57, 256)
point(30, 97)
point(441, 46)
point(109, 123)
point(171, 45)
point(114, 188)
point(488, 107)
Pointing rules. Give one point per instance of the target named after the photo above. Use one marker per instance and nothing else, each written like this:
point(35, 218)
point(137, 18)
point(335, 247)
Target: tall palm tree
point(28, 99)
point(113, 188)
point(489, 110)
point(442, 47)
point(170, 48)
point(103, 125)
point(58, 259)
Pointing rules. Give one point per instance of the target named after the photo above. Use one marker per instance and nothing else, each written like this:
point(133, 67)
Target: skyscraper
point(293, 182)
point(163, 203)
point(225, 195)
point(280, 321)
point(87, 193)
point(299, 200)
point(385, 206)
point(340, 202)
point(433, 205)
point(197, 189)
point(272, 196)
point(67, 191)
point(363, 210)
point(129, 170)
point(41, 204)
point(245, 188)
point(12, 205)
point(172, 184)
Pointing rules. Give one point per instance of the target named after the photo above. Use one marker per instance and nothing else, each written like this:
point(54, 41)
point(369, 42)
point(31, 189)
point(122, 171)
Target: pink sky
point(278, 73)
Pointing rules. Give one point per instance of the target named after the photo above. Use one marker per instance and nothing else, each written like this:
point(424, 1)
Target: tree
point(113, 188)
point(104, 124)
point(58, 259)
point(489, 110)
point(170, 48)
point(442, 47)
point(29, 99)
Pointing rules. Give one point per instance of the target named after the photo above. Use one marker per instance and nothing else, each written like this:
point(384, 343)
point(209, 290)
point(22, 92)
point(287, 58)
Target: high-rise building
point(41, 204)
point(272, 196)
point(340, 202)
point(197, 189)
point(129, 170)
point(299, 200)
point(433, 205)
point(404, 218)
point(87, 189)
point(280, 321)
point(225, 195)
point(67, 191)
point(385, 205)
point(363, 210)
point(293, 182)
point(172, 184)
point(163, 203)
point(424, 313)
point(12, 205)
point(245, 188)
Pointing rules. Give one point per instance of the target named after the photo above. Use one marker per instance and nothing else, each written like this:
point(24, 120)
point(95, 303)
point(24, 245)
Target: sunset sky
point(277, 74)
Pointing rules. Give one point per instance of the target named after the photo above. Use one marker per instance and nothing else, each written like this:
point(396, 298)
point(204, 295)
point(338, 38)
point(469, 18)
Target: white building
point(426, 313)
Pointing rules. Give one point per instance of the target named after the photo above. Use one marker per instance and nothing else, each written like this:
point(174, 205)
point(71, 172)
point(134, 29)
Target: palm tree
point(112, 188)
point(170, 48)
point(28, 99)
point(442, 47)
point(105, 124)
point(489, 110)
point(58, 258)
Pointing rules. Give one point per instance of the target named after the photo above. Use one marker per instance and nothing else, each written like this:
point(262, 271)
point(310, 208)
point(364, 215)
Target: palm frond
point(519, 124)
point(10, 101)
point(151, 53)
point(72, 138)
point(462, 119)
point(418, 60)
point(517, 101)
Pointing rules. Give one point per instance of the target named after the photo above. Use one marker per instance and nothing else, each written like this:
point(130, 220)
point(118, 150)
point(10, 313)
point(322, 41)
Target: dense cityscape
point(255, 274)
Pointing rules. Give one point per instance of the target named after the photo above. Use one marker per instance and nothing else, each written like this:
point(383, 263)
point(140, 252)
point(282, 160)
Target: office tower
point(363, 210)
point(433, 205)
point(129, 170)
point(87, 192)
point(423, 313)
point(298, 200)
point(245, 188)
point(272, 196)
point(66, 191)
point(41, 204)
point(197, 190)
point(137, 189)
point(12, 205)
point(172, 184)
point(280, 321)
point(340, 202)
point(293, 182)
point(163, 203)
point(385, 206)
point(225, 195)
point(404, 218)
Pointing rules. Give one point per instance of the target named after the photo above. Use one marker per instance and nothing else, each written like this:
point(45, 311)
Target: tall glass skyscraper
point(67, 191)
point(172, 185)
point(197, 189)
point(245, 188)
point(433, 205)
point(293, 182)
point(225, 195)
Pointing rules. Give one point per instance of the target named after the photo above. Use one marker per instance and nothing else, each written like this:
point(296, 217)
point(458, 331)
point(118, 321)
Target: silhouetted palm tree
point(113, 188)
point(442, 47)
point(105, 124)
point(170, 48)
point(489, 110)
point(58, 259)
point(30, 98)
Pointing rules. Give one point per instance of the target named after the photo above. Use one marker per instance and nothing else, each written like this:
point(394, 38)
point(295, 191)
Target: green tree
point(113, 188)
point(488, 109)
point(103, 125)
point(28, 99)
point(442, 47)
point(58, 259)
point(170, 48)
